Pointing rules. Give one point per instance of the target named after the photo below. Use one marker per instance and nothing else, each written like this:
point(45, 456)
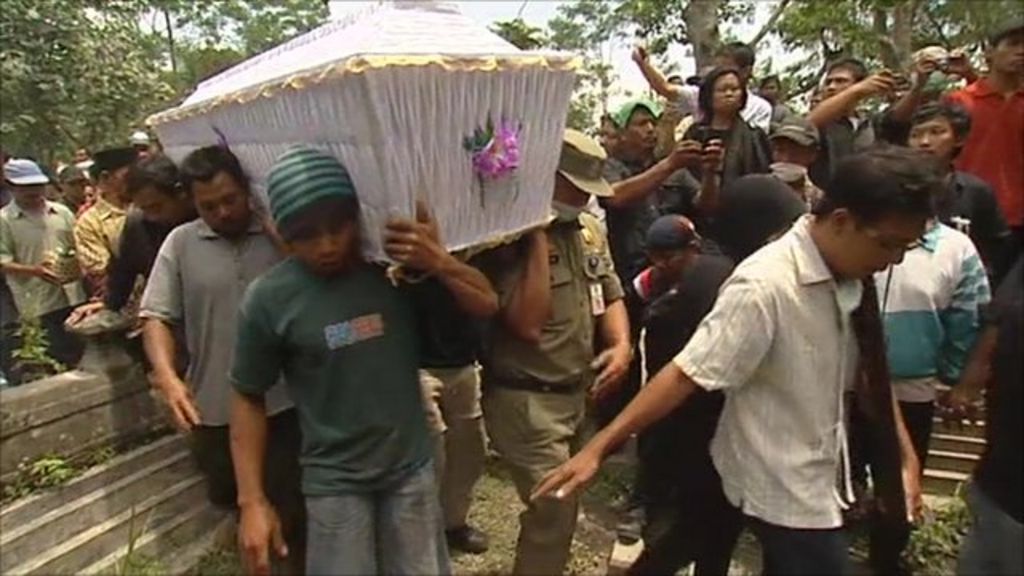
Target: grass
point(496, 512)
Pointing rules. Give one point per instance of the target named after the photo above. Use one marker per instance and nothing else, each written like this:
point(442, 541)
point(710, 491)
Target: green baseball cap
point(625, 112)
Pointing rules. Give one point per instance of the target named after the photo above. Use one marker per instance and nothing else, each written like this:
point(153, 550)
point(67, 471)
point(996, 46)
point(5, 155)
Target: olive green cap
point(582, 163)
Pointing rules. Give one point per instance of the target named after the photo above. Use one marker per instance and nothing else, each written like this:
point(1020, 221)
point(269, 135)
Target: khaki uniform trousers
point(535, 432)
point(451, 397)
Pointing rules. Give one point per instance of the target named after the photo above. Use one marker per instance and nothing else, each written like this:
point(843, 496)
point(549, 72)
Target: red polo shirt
point(994, 150)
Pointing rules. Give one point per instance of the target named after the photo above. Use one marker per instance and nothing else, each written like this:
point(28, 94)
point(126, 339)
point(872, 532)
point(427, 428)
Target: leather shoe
point(467, 539)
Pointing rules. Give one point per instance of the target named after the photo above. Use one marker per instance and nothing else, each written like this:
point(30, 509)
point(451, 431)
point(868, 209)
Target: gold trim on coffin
point(361, 64)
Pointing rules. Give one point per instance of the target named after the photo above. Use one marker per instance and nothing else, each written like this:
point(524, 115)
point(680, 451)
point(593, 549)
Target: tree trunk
point(170, 41)
point(701, 18)
point(903, 31)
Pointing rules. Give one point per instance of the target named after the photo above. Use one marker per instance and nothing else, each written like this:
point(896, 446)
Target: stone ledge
point(72, 413)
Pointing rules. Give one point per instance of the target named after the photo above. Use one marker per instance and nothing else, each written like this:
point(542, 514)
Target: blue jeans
point(393, 531)
point(993, 542)
point(801, 551)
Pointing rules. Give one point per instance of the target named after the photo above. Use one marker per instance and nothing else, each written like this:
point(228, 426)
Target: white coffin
point(392, 92)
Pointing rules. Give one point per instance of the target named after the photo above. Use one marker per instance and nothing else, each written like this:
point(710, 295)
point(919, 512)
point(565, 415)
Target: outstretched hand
point(415, 243)
point(567, 479)
point(878, 84)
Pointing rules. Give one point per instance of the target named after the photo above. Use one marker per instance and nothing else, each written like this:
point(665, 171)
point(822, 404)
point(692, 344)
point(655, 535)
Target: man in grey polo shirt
point(198, 280)
point(37, 247)
point(784, 342)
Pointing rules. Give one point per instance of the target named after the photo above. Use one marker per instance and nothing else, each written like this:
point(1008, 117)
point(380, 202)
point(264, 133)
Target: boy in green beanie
point(345, 340)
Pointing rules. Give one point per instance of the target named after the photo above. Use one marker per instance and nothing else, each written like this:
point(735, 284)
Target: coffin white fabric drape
point(397, 127)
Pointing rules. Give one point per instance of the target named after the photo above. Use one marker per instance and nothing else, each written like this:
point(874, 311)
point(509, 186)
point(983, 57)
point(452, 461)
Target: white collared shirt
point(779, 342)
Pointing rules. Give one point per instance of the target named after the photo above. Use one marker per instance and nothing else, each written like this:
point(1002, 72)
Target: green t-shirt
point(347, 347)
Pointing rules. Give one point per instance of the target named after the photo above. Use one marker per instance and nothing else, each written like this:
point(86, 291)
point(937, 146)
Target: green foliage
point(46, 472)
point(520, 34)
point(133, 563)
point(72, 76)
point(32, 358)
point(934, 545)
point(87, 72)
point(50, 471)
point(884, 32)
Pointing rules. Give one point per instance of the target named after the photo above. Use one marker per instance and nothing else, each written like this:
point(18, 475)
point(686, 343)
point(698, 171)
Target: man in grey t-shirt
point(198, 280)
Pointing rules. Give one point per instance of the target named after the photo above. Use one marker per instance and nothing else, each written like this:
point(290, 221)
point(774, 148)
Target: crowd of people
point(806, 293)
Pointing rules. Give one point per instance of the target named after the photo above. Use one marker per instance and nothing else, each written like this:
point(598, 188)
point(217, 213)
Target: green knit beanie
point(303, 175)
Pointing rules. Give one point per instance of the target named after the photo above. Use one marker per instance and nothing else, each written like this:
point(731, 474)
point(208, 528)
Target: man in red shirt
point(994, 151)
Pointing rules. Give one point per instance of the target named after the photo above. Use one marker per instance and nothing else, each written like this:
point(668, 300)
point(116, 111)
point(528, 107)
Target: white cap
point(139, 138)
point(934, 53)
point(23, 172)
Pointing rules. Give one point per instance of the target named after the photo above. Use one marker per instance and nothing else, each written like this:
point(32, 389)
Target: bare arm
point(260, 530)
point(158, 342)
point(834, 108)
point(636, 188)
point(613, 361)
point(667, 390)
point(472, 290)
point(842, 104)
point(657, 80)
point(911, 468)
point(614, 325)
point(248, 447)
point(529, 305)
point(976, 375)
point(904, 108)
point(417, 244)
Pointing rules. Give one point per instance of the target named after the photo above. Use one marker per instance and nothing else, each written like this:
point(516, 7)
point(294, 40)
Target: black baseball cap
point(112, 159)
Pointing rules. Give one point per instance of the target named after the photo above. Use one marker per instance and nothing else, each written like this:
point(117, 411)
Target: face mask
point(788, 172)
point(565, 212)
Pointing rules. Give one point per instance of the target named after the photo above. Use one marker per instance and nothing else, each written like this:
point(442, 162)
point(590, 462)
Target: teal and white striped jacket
point(931, 313)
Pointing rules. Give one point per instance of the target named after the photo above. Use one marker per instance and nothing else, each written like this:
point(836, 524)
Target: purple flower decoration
point(494, 149)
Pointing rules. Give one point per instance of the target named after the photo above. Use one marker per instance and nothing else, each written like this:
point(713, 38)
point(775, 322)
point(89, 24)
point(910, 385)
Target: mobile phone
point(706, 134)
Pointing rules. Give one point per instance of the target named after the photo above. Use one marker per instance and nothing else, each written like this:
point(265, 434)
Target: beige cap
point(582, 163)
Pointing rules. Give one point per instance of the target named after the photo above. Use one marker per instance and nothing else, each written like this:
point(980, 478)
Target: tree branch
point(887, 48)
point(938, 29)
point(770, 24)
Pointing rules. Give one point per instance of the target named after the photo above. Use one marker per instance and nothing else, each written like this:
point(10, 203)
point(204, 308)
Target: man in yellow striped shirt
point(98, 230)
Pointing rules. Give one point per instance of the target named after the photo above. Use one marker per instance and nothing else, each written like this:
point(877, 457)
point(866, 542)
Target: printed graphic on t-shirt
point(354, 331)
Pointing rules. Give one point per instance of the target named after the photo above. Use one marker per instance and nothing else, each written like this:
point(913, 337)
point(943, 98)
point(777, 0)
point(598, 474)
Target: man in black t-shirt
point(675, 479)
point(992, 546)
point(968, 203)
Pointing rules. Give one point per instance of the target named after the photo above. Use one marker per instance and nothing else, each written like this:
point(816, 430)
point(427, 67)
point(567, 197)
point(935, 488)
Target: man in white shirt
point(781, 343)
point(737, 55)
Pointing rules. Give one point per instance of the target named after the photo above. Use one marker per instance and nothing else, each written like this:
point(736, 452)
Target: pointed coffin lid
point(425, 30)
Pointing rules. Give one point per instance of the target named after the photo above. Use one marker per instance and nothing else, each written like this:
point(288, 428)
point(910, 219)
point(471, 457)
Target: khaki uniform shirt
point(98, 236)
point(583, 284)
point(32, 239)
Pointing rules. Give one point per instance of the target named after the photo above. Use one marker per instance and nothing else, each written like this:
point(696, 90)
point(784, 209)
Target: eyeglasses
point(892, 244)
